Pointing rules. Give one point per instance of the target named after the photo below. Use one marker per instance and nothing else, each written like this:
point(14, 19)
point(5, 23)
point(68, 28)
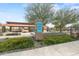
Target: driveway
point(65, 49)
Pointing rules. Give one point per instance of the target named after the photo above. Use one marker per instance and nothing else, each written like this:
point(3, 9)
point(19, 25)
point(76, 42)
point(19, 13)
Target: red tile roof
point(22, 23)
point(17, 25)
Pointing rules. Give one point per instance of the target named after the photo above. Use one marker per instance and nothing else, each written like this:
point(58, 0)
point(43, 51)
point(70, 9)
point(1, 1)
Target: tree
point(38, 11)
point(75, 26)
point(64, 17)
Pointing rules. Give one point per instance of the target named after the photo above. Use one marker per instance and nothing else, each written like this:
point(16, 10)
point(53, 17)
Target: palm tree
point(64, 17)
point(39, 11)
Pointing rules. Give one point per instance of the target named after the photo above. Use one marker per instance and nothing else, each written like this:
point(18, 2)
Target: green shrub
point(25, 42)
point(16, 43)
point(1, 34)
point(55, 39)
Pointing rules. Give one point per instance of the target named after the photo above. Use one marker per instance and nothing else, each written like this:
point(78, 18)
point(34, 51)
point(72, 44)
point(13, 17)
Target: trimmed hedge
point(16, 43)
point(55, 39)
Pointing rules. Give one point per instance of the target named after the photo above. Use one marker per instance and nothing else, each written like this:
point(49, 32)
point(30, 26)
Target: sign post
point(39, 30)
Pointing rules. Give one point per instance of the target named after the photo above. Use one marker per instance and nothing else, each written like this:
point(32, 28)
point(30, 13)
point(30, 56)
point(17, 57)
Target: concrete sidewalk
point(15, 36)
point(65, 49)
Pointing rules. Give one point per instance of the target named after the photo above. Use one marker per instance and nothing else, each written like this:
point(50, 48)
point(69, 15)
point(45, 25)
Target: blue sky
point(12, 12)
point(65, 5)
point(15, 11)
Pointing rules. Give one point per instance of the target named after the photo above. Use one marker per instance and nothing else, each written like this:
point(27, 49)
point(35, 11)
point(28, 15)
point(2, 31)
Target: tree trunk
point(56, 28)
point(60, 28)
point(10, 29)
point(71, 31)
point(3, 29)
